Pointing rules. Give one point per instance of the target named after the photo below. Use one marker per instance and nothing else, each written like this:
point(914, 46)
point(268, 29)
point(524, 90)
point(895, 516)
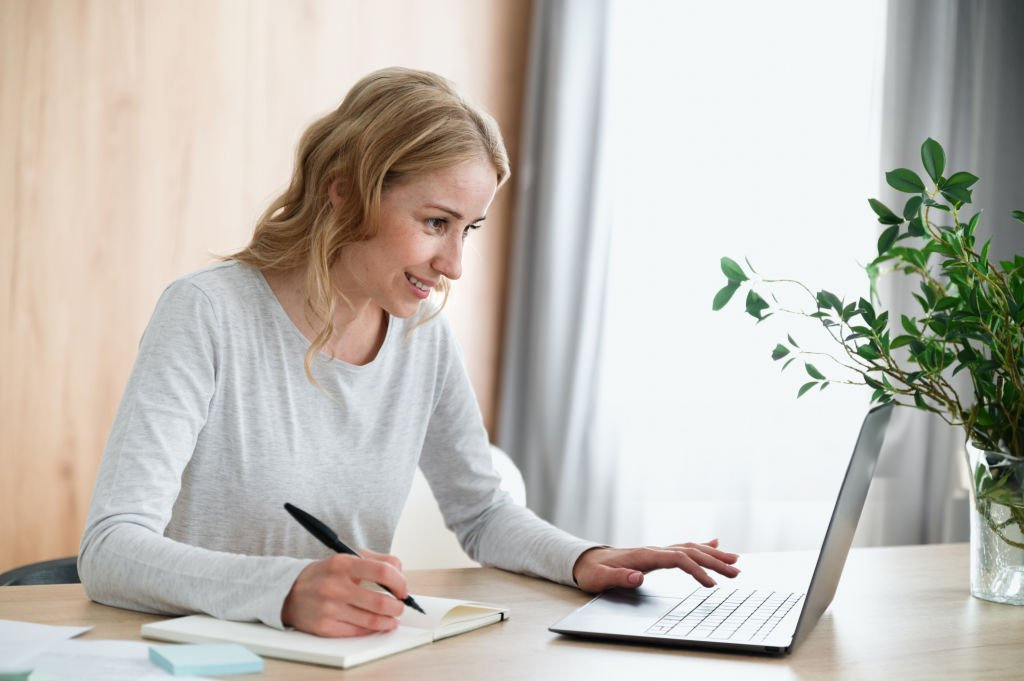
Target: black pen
point(331, 541)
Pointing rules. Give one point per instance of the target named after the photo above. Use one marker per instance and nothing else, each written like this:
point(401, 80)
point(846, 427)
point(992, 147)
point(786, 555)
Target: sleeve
point(491, 528)
point(124, 558)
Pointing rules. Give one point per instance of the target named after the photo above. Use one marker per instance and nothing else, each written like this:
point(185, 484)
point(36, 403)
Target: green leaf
point(909, 326)
point(872, 383)
point(791, 341)
point(888, 238)
point(957, 194)
point(905, 180)
point(813, 372)
point(900, 341)
point(756, 305)
point(929, 294)
point(885, 216)
point(921, 404)
point(961, 179)
point(724, 295)
point(912, 209)
point(1018, 215)
point(779, 352)
point(827, 299)
point(868, 352)
point(933, 158)
point(805, 387)
point(972, 224)
point(732, 271)
point(915, 227)
point(867, 311)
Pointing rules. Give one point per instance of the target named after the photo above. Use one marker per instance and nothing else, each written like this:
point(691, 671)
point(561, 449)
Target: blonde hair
point(393, 124)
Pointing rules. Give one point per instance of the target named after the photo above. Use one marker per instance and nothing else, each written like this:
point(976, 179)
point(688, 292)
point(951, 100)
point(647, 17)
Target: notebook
point(445, 617)
point(752, 619)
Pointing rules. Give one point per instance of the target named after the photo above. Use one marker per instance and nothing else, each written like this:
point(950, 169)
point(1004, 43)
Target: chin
point(404, 311)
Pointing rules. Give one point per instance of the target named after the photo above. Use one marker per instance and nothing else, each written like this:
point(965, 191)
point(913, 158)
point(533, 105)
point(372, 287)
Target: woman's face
point(423, 223)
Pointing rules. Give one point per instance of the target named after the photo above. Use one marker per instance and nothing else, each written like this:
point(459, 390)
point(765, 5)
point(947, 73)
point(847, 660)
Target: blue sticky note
point(199, 659)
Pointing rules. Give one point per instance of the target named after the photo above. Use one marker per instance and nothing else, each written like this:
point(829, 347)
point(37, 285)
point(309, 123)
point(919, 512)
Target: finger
point(330, 627)
point(381, 573)
point(394, 561)
point(712, 562)
point(724, 556)
point(604, 577)
point(374, 602)
point(357, 617)
point(687, 564)
point(650, 558)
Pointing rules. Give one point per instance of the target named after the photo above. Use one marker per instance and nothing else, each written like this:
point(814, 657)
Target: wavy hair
point(395, 123)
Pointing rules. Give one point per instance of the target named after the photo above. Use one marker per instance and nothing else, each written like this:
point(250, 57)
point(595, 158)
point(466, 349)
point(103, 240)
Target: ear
point(334, 192)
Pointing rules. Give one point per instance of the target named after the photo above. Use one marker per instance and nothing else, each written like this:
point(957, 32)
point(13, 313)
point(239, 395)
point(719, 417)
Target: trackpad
point(629, 604)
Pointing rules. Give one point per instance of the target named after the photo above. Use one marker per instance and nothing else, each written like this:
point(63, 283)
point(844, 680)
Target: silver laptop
point(757, 620)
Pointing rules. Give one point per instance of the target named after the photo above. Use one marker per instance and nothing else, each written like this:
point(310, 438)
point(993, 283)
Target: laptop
point(755, 620)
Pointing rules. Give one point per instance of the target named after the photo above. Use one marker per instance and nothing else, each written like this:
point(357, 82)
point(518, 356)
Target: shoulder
point(220, 287)
point(229, 278)
point(219, 295)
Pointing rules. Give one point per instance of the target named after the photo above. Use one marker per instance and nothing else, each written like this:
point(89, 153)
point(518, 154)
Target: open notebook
point(446, 617)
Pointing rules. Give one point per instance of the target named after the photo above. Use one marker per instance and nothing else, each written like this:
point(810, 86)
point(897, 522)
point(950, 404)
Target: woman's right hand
point(328, 598)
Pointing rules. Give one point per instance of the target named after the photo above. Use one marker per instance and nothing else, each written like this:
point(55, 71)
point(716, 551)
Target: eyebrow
point(454, 213)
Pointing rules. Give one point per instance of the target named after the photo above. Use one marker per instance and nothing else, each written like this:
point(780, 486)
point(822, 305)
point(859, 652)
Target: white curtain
point(660, 136)
point(552, 419)
point(954, 71)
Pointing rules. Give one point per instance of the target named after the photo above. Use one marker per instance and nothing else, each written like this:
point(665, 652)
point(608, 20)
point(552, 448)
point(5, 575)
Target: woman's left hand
point(601, 568)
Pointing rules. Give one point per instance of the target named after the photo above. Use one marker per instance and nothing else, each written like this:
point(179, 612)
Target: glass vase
point(997, 527)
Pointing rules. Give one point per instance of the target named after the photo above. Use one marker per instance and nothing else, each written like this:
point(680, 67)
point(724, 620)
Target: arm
point(494, 530)
point(125, 560)
point(457, 463)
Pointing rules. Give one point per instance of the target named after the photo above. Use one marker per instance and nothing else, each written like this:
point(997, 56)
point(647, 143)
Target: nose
point(448, 260)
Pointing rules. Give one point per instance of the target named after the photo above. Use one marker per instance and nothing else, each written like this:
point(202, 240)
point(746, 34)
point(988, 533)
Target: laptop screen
point(843, 524)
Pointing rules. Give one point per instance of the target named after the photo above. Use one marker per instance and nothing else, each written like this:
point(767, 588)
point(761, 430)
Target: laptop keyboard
point(726, 615)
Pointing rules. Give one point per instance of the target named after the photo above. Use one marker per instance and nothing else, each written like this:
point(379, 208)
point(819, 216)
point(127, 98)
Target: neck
point(359, 326)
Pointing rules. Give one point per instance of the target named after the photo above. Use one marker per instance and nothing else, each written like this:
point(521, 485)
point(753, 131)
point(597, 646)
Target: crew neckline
point(325, 359)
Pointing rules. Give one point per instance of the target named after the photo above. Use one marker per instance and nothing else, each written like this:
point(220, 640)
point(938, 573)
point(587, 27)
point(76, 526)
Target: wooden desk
point(900, 613)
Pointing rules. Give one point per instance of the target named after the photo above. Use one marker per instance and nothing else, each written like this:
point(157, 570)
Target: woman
point(306, 368)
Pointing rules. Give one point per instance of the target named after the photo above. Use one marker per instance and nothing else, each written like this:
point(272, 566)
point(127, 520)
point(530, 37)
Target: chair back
point(56, 571)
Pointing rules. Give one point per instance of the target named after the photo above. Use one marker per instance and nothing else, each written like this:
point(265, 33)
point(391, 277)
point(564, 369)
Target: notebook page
point(449, 616)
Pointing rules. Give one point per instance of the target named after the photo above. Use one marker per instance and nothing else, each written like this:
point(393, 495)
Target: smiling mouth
point(417, 283)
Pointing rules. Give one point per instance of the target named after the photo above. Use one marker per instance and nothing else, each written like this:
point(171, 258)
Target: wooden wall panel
point(138, 138)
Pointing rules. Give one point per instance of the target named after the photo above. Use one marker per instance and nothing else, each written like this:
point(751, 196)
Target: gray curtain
point(954, 72)
point(551, 421)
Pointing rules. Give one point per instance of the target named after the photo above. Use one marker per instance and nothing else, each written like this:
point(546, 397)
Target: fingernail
point(635, 578)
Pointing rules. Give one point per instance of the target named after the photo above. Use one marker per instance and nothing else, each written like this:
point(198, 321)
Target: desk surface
point(900, 613)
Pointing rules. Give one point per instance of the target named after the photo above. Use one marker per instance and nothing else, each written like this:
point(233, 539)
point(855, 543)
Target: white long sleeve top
point(219, 427)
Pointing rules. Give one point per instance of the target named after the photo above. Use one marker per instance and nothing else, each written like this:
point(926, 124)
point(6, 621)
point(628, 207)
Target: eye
point(467, 230)
point(437, 224)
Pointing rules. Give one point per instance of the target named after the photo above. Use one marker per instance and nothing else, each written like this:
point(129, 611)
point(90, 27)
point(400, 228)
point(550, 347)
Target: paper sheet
point(51, 655)
point(99, 661)
point(21, 641)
